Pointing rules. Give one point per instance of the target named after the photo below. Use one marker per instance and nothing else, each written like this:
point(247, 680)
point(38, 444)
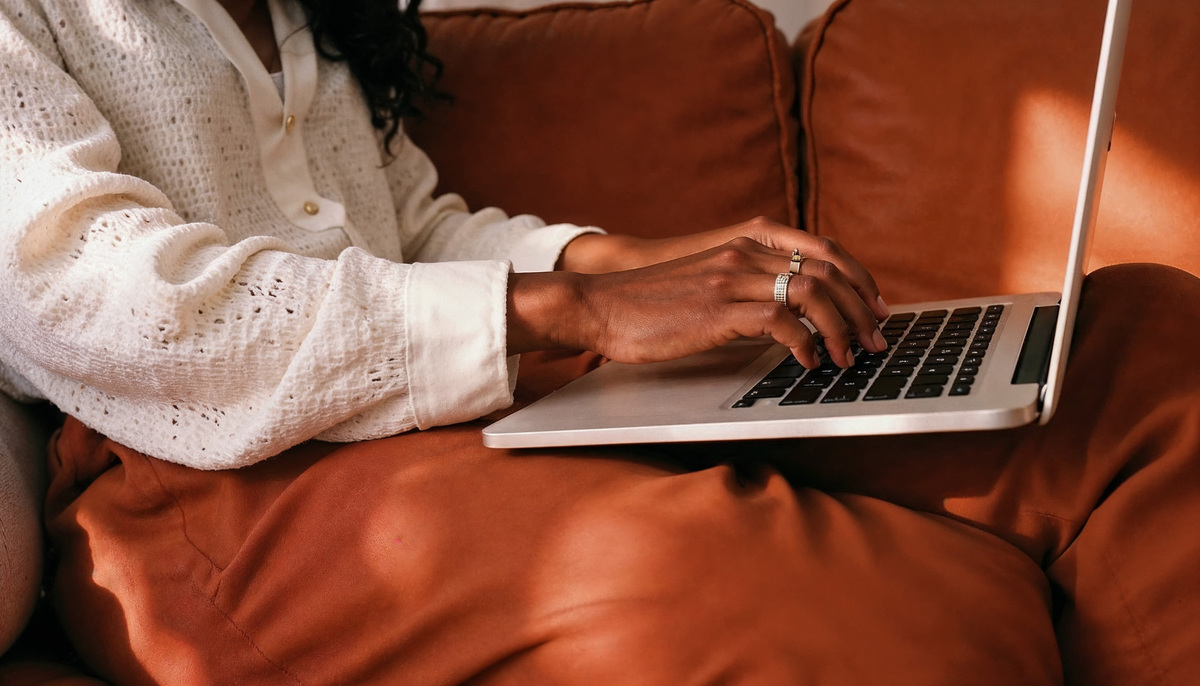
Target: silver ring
point(781, 286)
point(797, 260)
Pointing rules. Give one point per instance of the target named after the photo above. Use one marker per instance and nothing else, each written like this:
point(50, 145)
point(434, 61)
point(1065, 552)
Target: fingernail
point(849, 358)
point(880, 341)
point(883, 306)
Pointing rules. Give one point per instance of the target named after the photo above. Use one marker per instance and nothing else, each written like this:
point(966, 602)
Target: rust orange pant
point(1017, 557)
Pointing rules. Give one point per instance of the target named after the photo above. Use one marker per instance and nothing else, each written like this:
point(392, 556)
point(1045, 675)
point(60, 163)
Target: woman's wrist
point(546, 311)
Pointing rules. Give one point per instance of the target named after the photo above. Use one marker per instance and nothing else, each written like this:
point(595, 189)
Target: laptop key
point(936, 370)
point(926, 391)
point(955, 350)
point(960, 389)
point(817, 381)
point(902, 371)
point(841, 395)
point(884, 390)
point(782, 372)
point(931, 379)
point(857, 372)
point(776, 382)
point(801, 396)
point(967, 310)
point(757, 393)
point(964, 379)
point(743, 403)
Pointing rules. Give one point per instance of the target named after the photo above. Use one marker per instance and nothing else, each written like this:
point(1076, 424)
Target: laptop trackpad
point(629, 391)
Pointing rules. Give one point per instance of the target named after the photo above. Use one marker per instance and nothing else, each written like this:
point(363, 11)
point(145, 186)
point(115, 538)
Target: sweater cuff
point(457, 341)
point(538, 250)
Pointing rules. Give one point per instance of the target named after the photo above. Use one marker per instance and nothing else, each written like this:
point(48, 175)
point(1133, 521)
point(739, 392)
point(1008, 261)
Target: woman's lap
point(428, 559)
point(1106, 498)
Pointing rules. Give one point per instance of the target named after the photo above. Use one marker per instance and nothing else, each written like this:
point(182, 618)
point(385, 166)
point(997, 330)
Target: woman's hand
point(599, 253)
point(698, 302)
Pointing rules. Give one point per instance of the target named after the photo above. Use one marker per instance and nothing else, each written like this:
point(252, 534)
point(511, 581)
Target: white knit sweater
point(210, 275)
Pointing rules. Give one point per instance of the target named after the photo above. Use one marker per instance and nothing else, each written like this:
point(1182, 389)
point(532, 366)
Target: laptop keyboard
point(929, 354)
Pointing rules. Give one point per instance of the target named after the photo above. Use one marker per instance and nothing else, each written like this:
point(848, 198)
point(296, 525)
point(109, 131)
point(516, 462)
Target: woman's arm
point(128, 306)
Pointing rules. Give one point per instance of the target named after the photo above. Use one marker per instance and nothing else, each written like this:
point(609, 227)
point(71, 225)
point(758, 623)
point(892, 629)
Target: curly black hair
point(385, 47)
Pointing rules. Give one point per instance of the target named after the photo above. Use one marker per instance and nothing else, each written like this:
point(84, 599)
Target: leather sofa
point(939, 141)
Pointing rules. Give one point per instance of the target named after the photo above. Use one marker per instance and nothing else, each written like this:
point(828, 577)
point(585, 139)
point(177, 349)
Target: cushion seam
point(790, 191)
point(250, 641)
point(211, 599)
point(806, 109)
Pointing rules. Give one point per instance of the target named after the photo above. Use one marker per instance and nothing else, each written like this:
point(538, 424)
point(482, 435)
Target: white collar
point(278, 124)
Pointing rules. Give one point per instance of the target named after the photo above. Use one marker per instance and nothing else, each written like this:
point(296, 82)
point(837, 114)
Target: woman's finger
point(808, 297)
point(861, 319)
point(753, 319)
point(786, 239)
point(753, 258)
point(857, 276)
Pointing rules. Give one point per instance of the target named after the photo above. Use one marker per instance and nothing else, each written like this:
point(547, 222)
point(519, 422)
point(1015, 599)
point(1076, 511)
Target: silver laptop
point(958, 365)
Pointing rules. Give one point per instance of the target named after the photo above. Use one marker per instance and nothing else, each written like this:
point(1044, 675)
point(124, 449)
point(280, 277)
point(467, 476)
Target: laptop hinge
point(1033, 366)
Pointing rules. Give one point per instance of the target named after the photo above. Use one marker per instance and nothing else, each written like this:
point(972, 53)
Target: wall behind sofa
point(791, 15)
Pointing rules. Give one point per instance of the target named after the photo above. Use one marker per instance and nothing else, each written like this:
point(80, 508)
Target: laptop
point(956, 365)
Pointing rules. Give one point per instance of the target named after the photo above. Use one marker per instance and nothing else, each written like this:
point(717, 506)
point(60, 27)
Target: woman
point(220, 246)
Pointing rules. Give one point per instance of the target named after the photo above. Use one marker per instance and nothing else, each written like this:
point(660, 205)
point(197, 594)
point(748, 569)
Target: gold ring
point(797, 260)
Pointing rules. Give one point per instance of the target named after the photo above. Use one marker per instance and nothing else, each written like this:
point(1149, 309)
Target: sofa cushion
point(652, 117)
point(21, 482)
point(957, 130)
point(428, 558)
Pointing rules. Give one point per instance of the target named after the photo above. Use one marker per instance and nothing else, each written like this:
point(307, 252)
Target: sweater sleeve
point(439, 228)
point(171, 339)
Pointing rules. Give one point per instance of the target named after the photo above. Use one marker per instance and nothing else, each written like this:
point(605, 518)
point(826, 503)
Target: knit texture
point(152, 286)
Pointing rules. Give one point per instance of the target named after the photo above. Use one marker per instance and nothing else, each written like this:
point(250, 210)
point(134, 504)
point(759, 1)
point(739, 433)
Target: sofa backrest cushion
point(945, 139)
point(652, 117)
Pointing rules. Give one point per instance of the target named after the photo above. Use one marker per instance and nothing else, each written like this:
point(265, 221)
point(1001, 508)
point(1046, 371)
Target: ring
point(797, 260)
point(781, 286)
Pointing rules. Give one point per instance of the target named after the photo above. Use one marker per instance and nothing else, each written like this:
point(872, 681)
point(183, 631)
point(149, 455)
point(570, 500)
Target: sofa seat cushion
point(652, 117)
point(429, 559)
point(956, 131)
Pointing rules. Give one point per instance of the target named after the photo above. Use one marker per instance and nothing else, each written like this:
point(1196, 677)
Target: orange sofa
point(907, 131)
